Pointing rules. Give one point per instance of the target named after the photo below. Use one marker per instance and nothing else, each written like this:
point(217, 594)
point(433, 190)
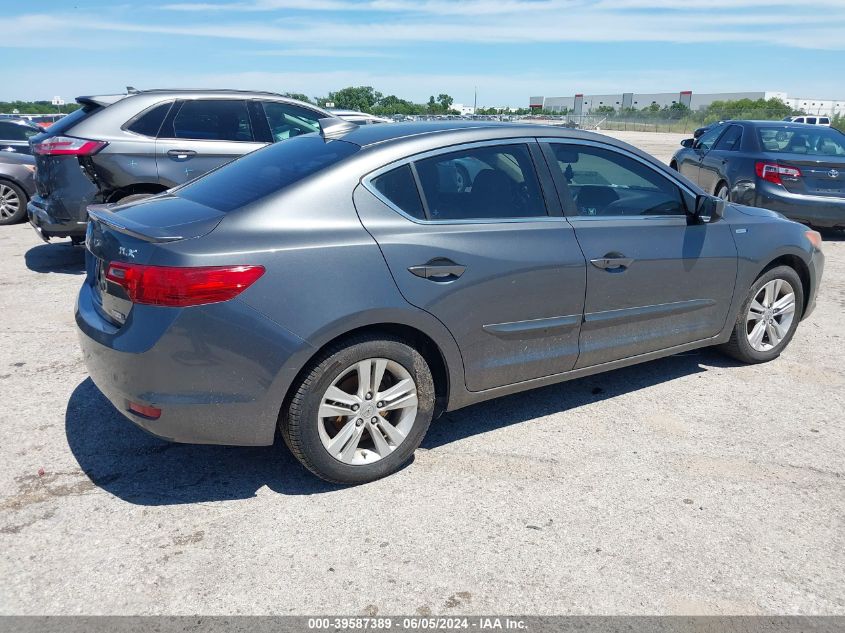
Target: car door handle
point(181, 154)
point(439, 269)
point(612, 262)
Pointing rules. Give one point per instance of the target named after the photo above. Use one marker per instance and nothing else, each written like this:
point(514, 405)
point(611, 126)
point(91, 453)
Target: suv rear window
point(265, 171)
point(77, 116)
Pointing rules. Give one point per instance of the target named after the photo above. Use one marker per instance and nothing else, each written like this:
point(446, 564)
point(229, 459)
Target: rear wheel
point(723, 192)
point(768, 318)
point(360, 411)
point(12, 203)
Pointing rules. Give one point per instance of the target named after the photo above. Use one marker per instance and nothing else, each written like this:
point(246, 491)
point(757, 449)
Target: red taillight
point(153, 413)
point(182, 287)
point(774, 172)
point(67, 146)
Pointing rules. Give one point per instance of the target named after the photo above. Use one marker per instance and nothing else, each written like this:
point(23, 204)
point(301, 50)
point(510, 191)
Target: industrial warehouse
point(585, 104)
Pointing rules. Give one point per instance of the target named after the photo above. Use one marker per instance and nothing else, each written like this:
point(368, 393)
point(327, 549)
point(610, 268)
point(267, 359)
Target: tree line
point(367, 99)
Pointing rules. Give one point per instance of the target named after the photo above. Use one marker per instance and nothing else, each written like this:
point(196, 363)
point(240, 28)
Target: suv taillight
point(181, 287)
point(773, 172)
point(67, 146)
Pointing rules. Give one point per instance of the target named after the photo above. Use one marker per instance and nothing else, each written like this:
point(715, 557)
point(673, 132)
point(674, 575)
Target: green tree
point(361, 98)
point(297, 95)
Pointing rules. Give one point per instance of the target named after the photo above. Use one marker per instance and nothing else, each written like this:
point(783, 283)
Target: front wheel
point(360, 411)
point(768, 318)
point(12, 203)
point(723, 192)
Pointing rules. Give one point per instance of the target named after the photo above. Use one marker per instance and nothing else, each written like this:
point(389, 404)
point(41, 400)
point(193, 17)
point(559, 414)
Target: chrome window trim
point(366, 182)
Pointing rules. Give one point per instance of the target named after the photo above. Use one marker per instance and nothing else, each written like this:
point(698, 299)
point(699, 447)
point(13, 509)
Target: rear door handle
point(181, 154)
point(612, 262)
point(439, 269)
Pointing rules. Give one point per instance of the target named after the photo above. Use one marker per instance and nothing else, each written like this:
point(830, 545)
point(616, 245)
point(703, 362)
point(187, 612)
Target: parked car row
point(793, 168)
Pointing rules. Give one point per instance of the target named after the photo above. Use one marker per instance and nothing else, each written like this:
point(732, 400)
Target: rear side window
point(730, 140)
point(149, 122)
point(265, 172)
point(212, 120)
point(399, 188)
point(481, 183)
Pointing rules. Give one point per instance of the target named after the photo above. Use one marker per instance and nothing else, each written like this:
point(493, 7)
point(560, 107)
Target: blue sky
point(509, 49)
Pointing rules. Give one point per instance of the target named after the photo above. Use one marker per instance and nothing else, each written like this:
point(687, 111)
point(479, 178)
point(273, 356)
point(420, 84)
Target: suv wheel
point(768, 318)
point(361, 410)
point(12, 203)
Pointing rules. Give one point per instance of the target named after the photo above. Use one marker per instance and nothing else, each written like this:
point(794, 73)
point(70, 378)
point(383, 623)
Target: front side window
point(708, 139)
point(286, 120)
point(730, 140)
point(604, 182)
point(212, 120)
point(496, 182)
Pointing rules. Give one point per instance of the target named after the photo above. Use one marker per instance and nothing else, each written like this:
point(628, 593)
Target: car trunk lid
point(132, 234)
point(822, 177)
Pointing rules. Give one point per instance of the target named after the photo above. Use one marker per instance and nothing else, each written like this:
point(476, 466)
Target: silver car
point(130, 146)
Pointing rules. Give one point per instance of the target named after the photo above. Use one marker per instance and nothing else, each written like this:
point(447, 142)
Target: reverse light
point(773, 172)
point(67, 146)
point(181, 287)
point(153, 413)
point(815, 239)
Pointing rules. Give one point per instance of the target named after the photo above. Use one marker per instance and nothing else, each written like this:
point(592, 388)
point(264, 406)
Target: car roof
point(460, 131)
point(108, 99)
point(20, 121)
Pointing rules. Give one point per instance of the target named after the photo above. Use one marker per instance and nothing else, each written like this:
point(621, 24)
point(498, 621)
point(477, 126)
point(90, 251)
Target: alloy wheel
point(367, 411)
point(10, 203)
point(770, 315)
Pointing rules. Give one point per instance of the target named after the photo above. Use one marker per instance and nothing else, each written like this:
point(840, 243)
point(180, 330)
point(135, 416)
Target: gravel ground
point(690, 485)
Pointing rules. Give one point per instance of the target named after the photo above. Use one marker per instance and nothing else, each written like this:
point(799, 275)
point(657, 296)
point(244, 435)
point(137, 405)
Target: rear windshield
point(265, 171)
point(77, 116)
point(817, 141)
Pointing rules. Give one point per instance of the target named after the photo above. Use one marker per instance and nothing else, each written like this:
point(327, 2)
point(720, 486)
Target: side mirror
point(688, 143)
point(708, 208)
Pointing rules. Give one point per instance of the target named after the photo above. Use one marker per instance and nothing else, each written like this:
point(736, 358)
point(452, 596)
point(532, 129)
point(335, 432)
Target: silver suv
point(131, 146)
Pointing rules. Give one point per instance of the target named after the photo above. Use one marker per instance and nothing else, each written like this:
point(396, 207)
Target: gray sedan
point(792, 168)
point(17, 185)
point(340, 289)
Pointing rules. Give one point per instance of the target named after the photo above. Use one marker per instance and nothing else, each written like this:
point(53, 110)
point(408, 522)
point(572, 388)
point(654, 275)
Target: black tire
point(14, 194)
point(298, 423)
point(673, 165)
point(723, 191)
point(738, 346)
point(463, 180)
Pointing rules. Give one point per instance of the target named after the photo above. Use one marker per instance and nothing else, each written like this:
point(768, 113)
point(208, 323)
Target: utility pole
point(475, 101)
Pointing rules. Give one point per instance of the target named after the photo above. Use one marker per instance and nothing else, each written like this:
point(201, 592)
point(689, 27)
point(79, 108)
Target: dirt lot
point(687, 485)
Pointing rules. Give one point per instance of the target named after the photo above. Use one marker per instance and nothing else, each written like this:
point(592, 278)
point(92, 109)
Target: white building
point(584, 104)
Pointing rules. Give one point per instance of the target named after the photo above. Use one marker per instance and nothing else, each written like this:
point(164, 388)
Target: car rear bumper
point(47, 223)
point(824, 212)
point(218, 373)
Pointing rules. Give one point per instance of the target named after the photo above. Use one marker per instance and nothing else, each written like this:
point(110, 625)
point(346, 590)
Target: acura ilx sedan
point(341, 289)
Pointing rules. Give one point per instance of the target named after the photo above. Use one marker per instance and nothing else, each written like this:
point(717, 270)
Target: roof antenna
point(131, 90)
point(333, 127)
